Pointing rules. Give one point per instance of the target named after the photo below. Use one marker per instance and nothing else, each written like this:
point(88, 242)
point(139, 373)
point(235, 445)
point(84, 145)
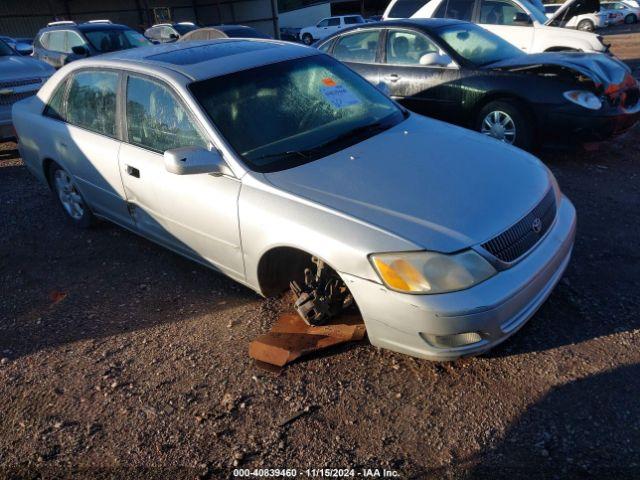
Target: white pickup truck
point(328, 26)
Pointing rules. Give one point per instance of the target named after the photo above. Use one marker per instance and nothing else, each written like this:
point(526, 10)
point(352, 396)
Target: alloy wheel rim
point(68, 195)
point(499, 125)
point(585, 27)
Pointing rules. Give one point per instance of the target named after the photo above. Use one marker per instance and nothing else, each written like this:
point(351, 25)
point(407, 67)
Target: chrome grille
point(14, 97)
point(19, 83)
point(521, 237)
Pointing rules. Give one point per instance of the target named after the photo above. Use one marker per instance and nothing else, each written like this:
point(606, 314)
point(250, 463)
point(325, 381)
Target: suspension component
point(322, 296)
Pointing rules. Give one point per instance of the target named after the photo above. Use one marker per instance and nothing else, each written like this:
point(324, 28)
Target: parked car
point(222, 31)
point(520, 22)
point(459, 72)
point(328, 26)
point(169, 32)
point(62, 42)
point(19, 45)
point(20, 77)
point(275, 163)
point(290, 33)
point(587, 22)
point(628, 14)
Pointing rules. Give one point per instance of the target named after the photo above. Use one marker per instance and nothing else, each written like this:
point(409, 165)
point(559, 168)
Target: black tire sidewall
point(87, 218)
point(523, 122)
point(630, 19)
point(305, 36)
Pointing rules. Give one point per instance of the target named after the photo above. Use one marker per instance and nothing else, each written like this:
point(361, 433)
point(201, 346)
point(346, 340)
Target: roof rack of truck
point(61, 22)
point(99, 21)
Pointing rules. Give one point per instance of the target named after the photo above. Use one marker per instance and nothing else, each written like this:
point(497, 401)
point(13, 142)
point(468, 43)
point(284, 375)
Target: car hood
point(15, 67)
point(604, 71)
point(573, 8)
point(441, 187)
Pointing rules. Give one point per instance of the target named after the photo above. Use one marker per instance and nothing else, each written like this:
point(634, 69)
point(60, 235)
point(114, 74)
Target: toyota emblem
point(536, 226)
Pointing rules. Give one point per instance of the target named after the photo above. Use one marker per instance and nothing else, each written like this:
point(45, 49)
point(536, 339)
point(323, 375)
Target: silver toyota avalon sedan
point(282, 168)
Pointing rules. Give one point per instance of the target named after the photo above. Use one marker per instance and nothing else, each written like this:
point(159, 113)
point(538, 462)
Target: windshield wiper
point(282, 155)
point(371, 128)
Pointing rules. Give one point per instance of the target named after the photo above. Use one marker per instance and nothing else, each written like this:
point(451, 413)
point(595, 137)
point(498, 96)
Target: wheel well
point(280, 266)
point(46, 169)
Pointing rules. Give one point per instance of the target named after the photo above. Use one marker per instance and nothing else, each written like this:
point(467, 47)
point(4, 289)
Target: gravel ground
point(121, 359)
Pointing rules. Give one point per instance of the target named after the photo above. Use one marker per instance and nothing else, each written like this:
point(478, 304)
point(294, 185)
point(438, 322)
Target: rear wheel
point(586, 26)
point(307, 39)
point(631, 18)
point(69, 197)
point(507, 123)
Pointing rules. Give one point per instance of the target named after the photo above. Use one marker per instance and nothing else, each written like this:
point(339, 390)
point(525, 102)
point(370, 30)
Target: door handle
point(394, 77)
point(134, 172)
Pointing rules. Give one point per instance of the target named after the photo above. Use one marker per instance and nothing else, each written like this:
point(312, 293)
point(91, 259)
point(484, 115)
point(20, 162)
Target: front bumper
point(576, 125)
point(494, 309)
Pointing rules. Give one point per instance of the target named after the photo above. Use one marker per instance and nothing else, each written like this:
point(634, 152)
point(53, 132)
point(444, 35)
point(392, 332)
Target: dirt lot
point(121, 359)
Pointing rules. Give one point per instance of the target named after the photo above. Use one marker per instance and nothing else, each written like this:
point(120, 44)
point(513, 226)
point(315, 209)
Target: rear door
point(426, 89)
point(359, 50)
point(196, 215)
point(86, 138)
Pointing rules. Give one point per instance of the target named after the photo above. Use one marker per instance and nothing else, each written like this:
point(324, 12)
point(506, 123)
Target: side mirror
point(435, 59)
point(193, 160)
point(384, 88)
point(173, 36)
point(24, 48)
point(79, 50)
point(521, 18)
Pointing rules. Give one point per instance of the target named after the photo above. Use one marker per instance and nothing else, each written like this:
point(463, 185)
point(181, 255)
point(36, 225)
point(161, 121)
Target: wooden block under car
point(291, 338)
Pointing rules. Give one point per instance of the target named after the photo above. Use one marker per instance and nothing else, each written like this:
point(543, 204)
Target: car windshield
point(183, 28)
point(477, 45)
point(286, 114)
point(116, 39)
point(6, 50)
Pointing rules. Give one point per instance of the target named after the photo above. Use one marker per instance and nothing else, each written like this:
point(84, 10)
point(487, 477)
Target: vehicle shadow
point(589, 428)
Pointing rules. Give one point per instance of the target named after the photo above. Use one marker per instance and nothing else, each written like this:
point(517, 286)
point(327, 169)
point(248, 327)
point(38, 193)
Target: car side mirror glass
point(195, 160)
point(24, 49)
point(79, 50)
point(173, 36)
point(435, 59)
point(384, 88)
point(521, 18)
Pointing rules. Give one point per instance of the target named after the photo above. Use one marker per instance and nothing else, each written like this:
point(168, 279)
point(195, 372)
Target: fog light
point(451, 341)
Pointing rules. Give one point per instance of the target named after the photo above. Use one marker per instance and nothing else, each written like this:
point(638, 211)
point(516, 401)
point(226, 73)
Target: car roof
point(203, 59)
point(86, 27)
point(425, 24)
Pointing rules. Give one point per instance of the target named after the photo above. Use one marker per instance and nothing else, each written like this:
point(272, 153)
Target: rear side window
point(56, 106)
point(334, 22)
point(406, 8)
point(458, 9)
point(357, 47)
point(156, 120)
point(91, 101)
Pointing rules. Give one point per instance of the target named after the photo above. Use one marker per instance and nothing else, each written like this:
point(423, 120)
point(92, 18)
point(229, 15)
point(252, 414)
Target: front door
point(499, 17)
point(196, 215)
point(429, 89)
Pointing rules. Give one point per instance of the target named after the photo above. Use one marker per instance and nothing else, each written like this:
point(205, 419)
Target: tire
point(307, 39)
point(69, 198)
point(586, 26)
point(631, 18)
point(506, 122)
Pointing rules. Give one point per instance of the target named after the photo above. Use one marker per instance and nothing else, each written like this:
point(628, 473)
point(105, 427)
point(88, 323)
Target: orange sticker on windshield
point(329, 82)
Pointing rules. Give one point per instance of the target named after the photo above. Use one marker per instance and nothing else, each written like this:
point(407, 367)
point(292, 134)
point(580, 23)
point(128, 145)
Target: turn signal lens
point(431, 272)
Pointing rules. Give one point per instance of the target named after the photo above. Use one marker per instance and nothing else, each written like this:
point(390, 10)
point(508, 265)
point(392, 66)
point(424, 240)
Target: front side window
point(498, 12)
point(57, 41)
point(323, 23)
point(334, 22)
point(357, 47)
point(458, 9)
point(91, 101)
point(156, 120)
point(113, 40)
point(289, 113)
point(168, 33)
point(73, 40)
point(477, 45)
point(406, 8)
point(407, 48)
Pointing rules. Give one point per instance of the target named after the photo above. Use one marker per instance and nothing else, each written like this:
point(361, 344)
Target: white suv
point(519, 22)
point(328, 26)
point(587, 22)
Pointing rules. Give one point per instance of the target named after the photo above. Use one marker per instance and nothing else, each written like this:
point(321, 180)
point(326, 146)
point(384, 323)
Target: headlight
point(431, 272)
point(584, 99)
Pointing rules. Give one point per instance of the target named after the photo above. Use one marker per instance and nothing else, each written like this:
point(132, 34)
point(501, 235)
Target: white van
point(517, 21)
